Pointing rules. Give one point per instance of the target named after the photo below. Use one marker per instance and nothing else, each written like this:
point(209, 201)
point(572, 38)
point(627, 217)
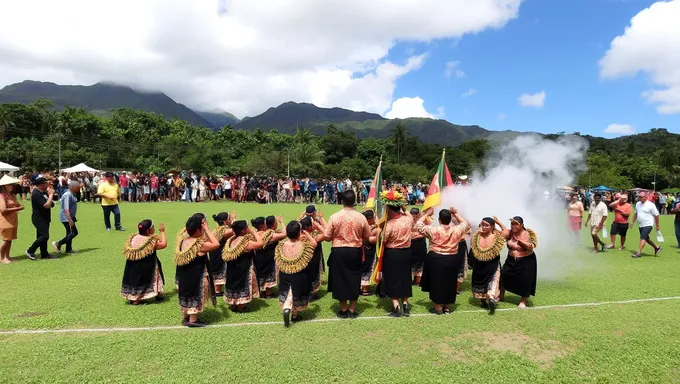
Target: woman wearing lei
point(519, 272)
point(444, 260)
point(315, 266)
point(194, 281)
point(369, 262)
point(218, 269)
point(292, 257)
point(486, 247)
point(239, 252)
point(143, 275)
point(265, 267)
point(396, 264)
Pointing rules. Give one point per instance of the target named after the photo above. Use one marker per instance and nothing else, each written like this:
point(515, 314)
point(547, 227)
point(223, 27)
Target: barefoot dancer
point(143, 276)
point(265, 266)
point(486, 247)
point(518, 274)
point(218, 268)
point(239, 253)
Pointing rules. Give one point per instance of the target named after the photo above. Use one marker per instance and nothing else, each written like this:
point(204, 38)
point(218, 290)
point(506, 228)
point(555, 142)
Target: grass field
point(619, 341)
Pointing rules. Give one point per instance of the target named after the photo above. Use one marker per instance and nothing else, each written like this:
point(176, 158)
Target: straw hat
point(8, 180)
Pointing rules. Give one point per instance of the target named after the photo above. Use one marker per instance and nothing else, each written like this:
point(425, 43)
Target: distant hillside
point(100, 97)
point(218, 118)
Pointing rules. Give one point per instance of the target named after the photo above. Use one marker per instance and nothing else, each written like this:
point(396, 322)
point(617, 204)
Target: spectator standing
point(109, 191)
point(647, 215)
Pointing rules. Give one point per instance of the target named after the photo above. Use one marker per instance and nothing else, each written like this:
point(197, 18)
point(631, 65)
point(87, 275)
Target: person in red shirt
point(154, 187)
point(619, 227)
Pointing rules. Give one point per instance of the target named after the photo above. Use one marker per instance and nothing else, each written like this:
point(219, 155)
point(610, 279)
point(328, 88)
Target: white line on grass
point(326, 320)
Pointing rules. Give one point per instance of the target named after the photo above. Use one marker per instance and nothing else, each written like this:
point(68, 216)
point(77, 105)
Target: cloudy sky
point(605, 67)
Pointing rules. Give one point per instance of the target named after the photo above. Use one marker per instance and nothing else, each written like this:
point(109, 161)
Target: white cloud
point(468, 93)
point(441, 112)
point(537, 100)
point(620, 129)
point(256, 55)
point(501, 116)
point(452, 68)
point(650, 44)
point(406, 107)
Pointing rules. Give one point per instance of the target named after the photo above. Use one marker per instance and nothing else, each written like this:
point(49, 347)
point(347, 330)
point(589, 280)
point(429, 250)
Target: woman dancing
point(292, 257)
point(486, 247)
point(397, 260)
point(143, 275)
point(194, 281)
point(368, 265)
point(239, 252)
point(518, 274)
point(315, 267)
point(418, 249)
point(218, 269)
point(265, 266)
point(444, 261)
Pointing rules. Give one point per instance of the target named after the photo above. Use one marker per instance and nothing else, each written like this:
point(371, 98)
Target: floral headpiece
point(392, 198)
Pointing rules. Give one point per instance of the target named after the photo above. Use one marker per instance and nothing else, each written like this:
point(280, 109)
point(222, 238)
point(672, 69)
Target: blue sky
point(554, 46)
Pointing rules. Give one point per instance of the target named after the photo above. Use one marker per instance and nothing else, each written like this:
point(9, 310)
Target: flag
point(441, 179)
point(373, 202)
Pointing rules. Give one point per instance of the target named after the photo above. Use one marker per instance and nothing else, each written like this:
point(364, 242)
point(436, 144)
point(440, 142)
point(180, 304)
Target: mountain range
point(103, 97)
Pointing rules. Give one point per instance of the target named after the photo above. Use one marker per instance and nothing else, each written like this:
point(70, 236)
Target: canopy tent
point(4, 167)
point(603, 188)
point(79, 168)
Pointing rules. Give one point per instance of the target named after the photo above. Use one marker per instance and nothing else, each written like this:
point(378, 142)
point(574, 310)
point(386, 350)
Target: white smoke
point(518, 176)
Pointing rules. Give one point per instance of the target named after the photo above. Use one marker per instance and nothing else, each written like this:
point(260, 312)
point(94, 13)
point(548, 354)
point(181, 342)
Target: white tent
point(4, 167)
point(79, 168)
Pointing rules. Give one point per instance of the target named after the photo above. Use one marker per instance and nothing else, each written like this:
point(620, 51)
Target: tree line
point(135, 140)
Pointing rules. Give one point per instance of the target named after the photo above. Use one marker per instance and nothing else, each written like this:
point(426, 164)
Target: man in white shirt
point(597, 215)
point(647, 216)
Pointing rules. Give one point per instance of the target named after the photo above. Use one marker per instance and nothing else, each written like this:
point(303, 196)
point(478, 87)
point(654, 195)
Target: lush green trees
point(128, 139)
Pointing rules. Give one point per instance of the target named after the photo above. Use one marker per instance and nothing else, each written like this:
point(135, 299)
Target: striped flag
point(373, 202)
point(441, 179)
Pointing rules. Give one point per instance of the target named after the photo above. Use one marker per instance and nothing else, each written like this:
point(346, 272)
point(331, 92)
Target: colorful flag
point(441, 179)
point(373, 202)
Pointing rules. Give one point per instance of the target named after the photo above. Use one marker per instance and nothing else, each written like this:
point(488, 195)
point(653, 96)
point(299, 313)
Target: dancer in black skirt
point(314, 268)
point(369, 263)
point(194, 281)
point(143, 276)
point(520, 270)
point(347, 230)
point(486, 247)
point(265, 267)
point(444, 261)
point(218, 268)
point(292, 257)
point(396, 265)
point(418, 249)
point(239, 252)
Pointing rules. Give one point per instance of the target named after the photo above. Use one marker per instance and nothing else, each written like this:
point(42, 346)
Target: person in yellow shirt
point(108, 191)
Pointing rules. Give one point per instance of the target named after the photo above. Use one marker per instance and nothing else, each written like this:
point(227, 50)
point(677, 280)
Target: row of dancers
point(241, 262)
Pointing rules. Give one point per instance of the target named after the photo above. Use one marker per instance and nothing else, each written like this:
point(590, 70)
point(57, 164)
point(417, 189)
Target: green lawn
point(625, 342)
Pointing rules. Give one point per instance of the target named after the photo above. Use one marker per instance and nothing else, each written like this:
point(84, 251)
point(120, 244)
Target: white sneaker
point(56, 246)
point(29, 255)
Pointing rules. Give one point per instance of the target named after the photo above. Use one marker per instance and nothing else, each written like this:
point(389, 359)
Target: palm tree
point(308, 159)
point(398, 137)
point(303, 136)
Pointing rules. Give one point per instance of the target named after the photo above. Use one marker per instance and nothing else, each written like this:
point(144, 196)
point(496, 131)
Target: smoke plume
point(517, 177)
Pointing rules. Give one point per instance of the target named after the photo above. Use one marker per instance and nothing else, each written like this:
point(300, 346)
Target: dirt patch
point(542, 352)
point(29, 314)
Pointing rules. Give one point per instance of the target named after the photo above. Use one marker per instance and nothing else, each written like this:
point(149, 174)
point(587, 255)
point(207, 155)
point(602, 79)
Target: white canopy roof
point(8, 167)
point(80, 168)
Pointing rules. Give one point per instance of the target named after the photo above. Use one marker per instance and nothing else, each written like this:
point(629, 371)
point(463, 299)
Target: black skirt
point(265, 267)
point(519, 274)
point(314, 270)
point(238, 288)
point(299, 284)
point(418, 252)
point(217, 266)
point(190, 279)
point(483, 275)
point(396, 272)
point(440, 276)
point(368, 264)
point(344, 273)
point(138, 276)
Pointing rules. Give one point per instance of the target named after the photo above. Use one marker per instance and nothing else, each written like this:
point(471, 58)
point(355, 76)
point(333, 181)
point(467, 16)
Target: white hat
point(8, 180)
point(463, 177)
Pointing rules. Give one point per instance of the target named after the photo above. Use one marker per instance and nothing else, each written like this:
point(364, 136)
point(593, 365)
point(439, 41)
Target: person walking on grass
point(676, 210)
point(647, 215)
point(67, 215)
point(42, 203)
point(597, 215)
point(109, 191)
point(620, 225)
